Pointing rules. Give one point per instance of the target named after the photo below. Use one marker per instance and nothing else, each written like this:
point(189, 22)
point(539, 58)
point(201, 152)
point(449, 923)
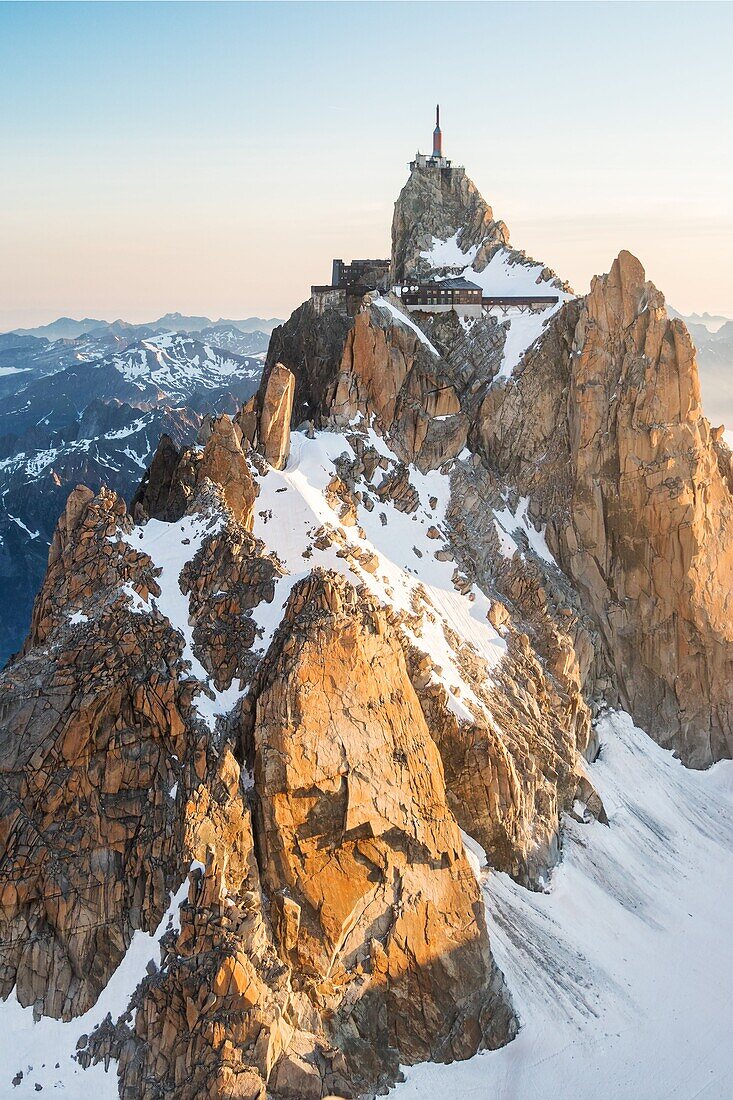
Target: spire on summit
point(437, 134)
point(436, 158)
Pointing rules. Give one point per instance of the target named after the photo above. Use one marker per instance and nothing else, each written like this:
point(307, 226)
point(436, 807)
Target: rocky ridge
point(312, 653)
point(633, 486)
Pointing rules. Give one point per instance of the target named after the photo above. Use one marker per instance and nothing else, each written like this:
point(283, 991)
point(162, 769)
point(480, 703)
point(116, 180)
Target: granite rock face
point(441, 204)
point(90, 738)
point(173, 478)
point(377, 908)
point(274, 423)
point(265, 420)
point(421, 388)
point(603, 428)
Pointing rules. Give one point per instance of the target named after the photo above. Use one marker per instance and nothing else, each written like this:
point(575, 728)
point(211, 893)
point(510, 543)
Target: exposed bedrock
point(221, 1017)
point(602, 426)
point(376, 908)
point(442, 205)
point(94, 729)
point(265, 419)
point(338, 931)
point(445, 205)
point(174, 476)
point(421, 390)
point(511, 773)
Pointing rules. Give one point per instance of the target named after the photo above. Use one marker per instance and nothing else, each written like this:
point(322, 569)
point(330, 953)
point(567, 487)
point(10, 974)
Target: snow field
point(622, 972)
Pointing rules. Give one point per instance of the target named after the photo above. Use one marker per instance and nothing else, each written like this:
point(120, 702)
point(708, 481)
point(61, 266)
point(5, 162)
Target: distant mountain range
point(67, 328)
point(711, 321)
point(86, 401)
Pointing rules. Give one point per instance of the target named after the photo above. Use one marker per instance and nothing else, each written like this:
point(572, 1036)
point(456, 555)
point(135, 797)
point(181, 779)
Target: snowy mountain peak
point(442, 225)
point(441, 206)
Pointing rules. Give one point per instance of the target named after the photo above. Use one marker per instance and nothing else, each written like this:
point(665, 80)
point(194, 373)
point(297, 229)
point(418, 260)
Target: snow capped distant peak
point(178, 363)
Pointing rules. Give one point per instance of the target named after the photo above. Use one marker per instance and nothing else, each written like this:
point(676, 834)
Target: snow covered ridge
point(400, 557)
point(505, 274)
point(621, 971)
point(393, 553)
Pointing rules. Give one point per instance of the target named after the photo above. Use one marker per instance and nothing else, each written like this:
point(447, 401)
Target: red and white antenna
point(437, 134)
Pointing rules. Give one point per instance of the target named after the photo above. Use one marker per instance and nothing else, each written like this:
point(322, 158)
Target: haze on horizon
point(213, 158)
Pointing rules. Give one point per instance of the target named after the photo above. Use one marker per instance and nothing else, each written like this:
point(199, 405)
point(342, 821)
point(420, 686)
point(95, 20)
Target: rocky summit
point(347, 657)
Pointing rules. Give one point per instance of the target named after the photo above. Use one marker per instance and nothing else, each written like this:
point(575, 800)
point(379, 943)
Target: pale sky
point(213, 158)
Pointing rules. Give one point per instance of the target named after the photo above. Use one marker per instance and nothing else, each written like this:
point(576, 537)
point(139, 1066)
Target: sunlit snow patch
point(448, 253)
point(622, 972)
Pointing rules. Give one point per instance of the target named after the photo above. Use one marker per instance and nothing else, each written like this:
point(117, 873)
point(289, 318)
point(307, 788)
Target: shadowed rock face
point(92, 722)
point(310, 345)
point(624, 470)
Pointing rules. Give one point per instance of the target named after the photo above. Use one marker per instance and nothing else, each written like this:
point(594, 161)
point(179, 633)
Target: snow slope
point(622, 973)
point(43, 1051)
point(387, 550)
